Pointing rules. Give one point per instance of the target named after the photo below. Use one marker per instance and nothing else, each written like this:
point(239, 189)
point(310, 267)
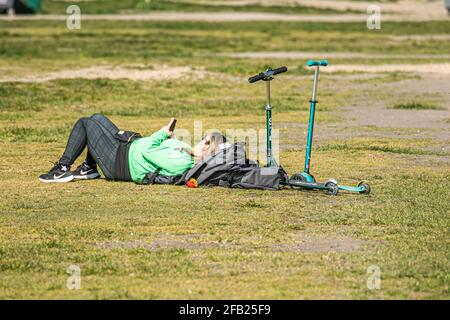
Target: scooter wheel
point(300, 177)
point(295, 177)
point(332, 187)
point(366, 187)
point(332, 180)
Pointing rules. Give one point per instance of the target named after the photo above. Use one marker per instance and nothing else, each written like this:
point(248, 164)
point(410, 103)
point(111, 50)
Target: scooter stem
point(268, 76)
point(316, 79)
point(312, 111)
point(268, 125)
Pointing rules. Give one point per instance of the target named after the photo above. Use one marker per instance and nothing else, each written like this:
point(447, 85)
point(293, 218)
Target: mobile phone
point(172, 124)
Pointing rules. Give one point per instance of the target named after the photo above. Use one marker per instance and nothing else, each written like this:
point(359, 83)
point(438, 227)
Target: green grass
point(142, 6)
point(189, 41)
point(47, 233)
point(133, 98)
point(26, 134)
point(413, 147)
point(391, 77)
point(217, 242)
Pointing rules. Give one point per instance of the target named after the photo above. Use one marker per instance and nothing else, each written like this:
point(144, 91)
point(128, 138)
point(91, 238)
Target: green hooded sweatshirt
point(157, 151)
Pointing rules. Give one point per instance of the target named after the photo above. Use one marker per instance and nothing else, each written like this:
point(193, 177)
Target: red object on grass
point(192, 183)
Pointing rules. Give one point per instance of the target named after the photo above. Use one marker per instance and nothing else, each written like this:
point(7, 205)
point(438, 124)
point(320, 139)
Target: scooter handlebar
point(312, 63)
point(279, 70)
point(267, 74)
point(256, 78)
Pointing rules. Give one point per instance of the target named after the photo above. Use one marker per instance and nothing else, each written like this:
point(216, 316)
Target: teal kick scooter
point(303, 180)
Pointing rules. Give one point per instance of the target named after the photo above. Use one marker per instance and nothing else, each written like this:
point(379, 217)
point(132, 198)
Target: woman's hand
point(167, 128)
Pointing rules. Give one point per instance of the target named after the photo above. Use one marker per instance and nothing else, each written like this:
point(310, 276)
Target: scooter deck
point(330, 187)
point(304, 184)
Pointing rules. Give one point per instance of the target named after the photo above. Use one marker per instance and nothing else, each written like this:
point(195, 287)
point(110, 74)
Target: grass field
point(163, 242)
point(140, 6)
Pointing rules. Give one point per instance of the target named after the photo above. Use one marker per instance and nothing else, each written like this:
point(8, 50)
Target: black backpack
point(231, 168)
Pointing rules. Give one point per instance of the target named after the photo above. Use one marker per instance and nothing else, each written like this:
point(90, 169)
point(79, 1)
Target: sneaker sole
point(62, 180)
point(88, 176)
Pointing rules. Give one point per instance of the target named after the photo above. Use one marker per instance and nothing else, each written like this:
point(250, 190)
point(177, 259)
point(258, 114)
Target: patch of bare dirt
point(401, 7)
point(417, 9)
point(412, 161)
point(130, 72)
point(434, 9)
point(107, 72)
point(232, 17)
point(390, 118)
point(422, 37)
point(323, 244)
point(302, 243)
point(167, 242)
point(426, 123)
point(439, 68)
point(365, 116)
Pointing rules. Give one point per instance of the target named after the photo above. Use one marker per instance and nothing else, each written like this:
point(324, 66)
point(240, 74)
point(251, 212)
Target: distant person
point(158, 152)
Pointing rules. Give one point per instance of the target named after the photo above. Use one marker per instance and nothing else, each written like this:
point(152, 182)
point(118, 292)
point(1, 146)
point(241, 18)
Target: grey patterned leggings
point(97, 133)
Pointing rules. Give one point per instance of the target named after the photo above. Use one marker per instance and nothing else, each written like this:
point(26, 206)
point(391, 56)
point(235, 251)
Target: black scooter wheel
point(332, 187)
point(299, 177)
point(366, 187)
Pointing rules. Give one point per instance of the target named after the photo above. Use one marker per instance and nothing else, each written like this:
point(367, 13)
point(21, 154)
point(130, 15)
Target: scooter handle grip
point(312, 63)
point(279, 70)
point(256, 78)
point(267, 74)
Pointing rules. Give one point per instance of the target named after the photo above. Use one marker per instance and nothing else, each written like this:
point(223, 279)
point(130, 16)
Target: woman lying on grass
point(159, 152)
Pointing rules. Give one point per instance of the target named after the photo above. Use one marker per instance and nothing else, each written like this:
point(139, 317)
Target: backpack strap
point(150, 177)
point(182, 179)
point(230, 178)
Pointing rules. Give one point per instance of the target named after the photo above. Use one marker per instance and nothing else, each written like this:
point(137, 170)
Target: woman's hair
point(215, 140)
